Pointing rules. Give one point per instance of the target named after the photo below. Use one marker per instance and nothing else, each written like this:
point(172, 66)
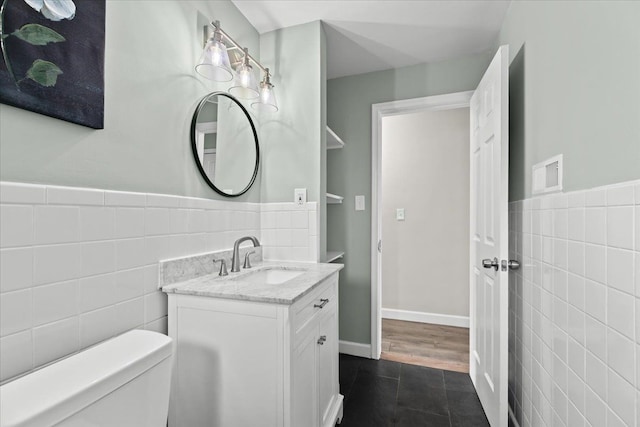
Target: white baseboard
point(419, 316)
point(355, 349)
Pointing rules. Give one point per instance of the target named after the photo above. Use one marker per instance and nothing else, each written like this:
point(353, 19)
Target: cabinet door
point(305, 382)
point(327, 364)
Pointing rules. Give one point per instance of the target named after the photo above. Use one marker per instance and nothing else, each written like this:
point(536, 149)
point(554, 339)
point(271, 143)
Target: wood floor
point(434, 346)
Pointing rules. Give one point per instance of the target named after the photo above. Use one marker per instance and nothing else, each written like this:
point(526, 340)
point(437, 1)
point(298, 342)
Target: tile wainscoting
point(574, 308)
point(81, 265)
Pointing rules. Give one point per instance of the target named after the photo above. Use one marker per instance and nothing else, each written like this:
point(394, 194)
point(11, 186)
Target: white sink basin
point(271, 276)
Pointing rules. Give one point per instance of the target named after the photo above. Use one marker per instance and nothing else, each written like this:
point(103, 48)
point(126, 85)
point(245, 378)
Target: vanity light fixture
point(267, 100)
point(214, 62)
point(215, 65)
point(245, 87)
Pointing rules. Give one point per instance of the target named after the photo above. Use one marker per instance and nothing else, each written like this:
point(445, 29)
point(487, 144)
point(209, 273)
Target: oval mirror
point(225, 144)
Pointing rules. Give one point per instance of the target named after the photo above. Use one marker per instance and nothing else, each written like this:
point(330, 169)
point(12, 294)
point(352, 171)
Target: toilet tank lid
point(55, 392)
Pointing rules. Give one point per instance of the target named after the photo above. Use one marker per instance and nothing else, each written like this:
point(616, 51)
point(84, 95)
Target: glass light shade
point(214, 62)
point(267, 100)
point(245, 84)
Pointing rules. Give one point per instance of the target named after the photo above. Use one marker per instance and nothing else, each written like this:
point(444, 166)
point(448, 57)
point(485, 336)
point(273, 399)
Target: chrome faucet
point(235, 260)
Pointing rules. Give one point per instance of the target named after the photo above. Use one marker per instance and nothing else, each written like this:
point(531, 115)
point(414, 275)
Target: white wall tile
point(155, 306)
point(620, 312)
point(619, 225)
point(162, 201)
point(56, 224)
point(13, 192)
point(620, 270)
point(97, 223)
point(129, 315)
point(596, 337)
point(283, 219)
point(595, 225)
point(97, 325)
point(576, 257)
point(596, 197)
point(595, 263)
point(129, 223)
point(55, 302)
point(15, 312)
point(130, 253)
point(620, 195)
point(575, 226)
point(560, 223)
point(595, 295)
point(123, 198)
point(74, 196)
point(56, 263)
point(283, 237)
point(621, 398)
point(157, 221)
point(159, 325)
point(576, 291)
point(595, 409)
point(621, 355)
point(55, 340)
point(16, 354)
point(16, 225)
point(576, 199)
point(98, 258)
point(596, 375)
point(129, 284)
point(300, 219)
point(96, 292)
point(16, 269)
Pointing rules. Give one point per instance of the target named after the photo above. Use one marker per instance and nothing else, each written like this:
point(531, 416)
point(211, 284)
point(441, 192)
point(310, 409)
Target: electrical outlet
point(400, 214)
point(300, 196)
point(359, 203)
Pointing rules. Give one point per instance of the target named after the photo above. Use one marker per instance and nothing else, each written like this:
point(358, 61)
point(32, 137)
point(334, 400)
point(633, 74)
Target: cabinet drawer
point(319, 300)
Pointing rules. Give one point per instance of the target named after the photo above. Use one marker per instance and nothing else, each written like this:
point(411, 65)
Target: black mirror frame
point(194, 148)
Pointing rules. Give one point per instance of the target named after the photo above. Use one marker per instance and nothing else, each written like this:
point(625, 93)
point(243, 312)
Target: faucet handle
point(223, 267)
point(247, 261)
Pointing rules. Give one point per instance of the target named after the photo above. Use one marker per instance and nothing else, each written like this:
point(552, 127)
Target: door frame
point(378, 112)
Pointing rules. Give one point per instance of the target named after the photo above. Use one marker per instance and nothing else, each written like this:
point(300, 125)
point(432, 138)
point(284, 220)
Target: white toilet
point(122, 382)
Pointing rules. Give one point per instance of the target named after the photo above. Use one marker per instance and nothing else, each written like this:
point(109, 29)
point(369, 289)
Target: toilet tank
point(121, 382)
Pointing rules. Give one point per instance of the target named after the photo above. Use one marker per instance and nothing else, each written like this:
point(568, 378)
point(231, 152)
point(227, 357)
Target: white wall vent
point(547, 175)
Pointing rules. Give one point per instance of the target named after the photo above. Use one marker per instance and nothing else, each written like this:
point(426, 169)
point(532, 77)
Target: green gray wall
point(151, 91)
point(574, 86)
point(292, 136)
point(349, 101)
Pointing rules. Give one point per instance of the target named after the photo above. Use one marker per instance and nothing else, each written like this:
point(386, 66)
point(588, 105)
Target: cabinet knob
point(322, 339)
point(323, 302)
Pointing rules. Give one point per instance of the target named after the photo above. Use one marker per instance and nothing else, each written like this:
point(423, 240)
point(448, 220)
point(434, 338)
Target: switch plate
point(400, 214)
point(300, 196)
point(359, 203)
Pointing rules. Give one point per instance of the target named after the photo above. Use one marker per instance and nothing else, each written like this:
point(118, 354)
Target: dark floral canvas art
point(53, 58)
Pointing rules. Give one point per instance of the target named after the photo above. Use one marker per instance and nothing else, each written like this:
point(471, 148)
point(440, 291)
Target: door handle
point(322, 339)
point(512, 264)
point(491, 263)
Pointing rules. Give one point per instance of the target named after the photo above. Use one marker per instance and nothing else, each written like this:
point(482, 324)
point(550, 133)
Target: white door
point(489, 238)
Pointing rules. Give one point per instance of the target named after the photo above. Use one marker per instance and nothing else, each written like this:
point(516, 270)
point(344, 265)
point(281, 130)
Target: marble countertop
point(234, 287)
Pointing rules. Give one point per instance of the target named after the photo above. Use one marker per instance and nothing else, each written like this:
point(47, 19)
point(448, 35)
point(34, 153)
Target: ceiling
point(372, 35)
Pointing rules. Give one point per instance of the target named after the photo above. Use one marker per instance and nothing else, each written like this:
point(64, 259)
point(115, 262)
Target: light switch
point(400, 214)
point(300, 196)
point(359, 203)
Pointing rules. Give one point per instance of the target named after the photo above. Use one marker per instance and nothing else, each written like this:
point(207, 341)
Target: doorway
point(423, 207)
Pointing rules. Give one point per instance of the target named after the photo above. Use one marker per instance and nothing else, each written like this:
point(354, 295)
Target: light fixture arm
point(216, 26)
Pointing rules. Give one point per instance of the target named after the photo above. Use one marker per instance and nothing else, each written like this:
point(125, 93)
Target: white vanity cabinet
point(251, 363)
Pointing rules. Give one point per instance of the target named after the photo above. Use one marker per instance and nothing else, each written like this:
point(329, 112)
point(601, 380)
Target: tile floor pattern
point(381, 393)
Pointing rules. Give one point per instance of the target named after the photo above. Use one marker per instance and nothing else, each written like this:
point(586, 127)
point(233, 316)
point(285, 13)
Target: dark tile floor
point(383, 393)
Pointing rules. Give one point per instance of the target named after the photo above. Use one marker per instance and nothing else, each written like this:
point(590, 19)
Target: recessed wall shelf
point(334, 255)
point(334, 199)
point(333, 140)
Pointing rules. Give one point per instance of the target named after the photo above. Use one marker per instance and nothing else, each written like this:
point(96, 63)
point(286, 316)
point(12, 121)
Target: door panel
point(489, 238)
